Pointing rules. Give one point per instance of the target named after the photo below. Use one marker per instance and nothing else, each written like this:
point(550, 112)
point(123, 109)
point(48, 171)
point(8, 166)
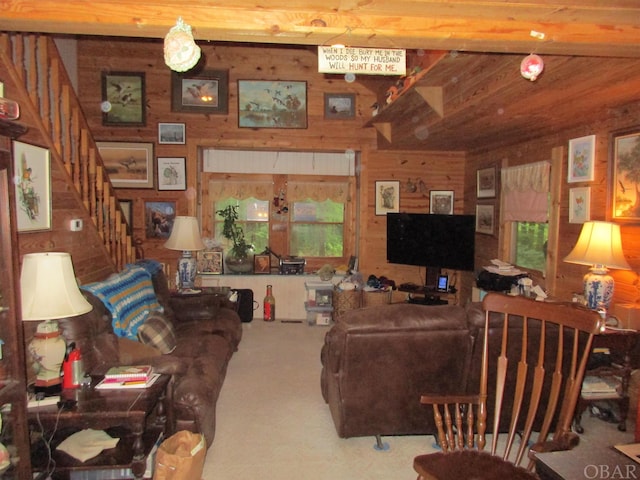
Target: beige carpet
point(273, 424)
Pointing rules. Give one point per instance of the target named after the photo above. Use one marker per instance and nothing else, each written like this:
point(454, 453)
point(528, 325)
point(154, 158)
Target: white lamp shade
point(49, 288)
point(185, 235)
point(599, 243)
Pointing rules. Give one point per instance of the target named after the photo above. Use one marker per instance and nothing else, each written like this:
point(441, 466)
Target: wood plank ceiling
point(485, 100)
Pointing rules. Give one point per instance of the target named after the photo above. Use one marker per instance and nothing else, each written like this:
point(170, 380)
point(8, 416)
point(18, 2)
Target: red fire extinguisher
point(72, 367)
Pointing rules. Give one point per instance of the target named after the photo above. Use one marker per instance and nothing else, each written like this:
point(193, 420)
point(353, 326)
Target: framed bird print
point(272, 104)
point(204, 92)
point(625, 175)
point(128, 164)
point(123, 100)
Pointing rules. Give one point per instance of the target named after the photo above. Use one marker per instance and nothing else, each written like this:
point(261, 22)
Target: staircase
point(34, 64)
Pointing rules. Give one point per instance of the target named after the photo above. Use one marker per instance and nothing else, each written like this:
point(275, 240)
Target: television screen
point(428, 240)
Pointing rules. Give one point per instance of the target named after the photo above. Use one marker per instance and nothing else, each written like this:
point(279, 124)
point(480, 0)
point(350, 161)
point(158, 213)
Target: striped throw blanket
point(129, 296)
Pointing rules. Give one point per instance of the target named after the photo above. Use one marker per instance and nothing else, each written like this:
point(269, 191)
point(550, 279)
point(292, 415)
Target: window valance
point(241, 190)
point(525, 191)
point(318, 191)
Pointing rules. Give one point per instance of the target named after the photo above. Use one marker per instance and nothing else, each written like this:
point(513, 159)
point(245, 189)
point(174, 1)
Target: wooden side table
point(123, 413)
point(620, 344)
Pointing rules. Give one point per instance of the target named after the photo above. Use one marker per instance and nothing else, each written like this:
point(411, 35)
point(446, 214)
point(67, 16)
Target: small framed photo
point(128, 164)
point(339, 106)
point(123, 100)
point(210, 262)
point(127, 206)
point(172, 173)
point(387, 196)
point(485, 219)
point(204, 92)
point(486, 182)
point(32, 170)
point(272, 104)
point(441, 202)
point(625, 164)
point(579, 205)
point(262, 263)
point(159, 217)
point(171, 133)
point(581, 159)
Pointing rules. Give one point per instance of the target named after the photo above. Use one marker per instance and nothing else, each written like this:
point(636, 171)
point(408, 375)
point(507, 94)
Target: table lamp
point(185, 236)
point(600, 246)
point(49, 292)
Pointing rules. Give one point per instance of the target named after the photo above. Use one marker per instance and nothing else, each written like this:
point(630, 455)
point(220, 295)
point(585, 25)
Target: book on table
point(118, 383)
point(129, 372)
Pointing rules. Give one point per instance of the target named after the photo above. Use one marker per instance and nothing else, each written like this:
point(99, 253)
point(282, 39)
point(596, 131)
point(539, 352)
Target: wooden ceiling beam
point(585, 27)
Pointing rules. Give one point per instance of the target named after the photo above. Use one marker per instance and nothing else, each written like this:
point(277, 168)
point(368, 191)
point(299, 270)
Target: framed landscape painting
point(485, 219)
point(339, 106)
point(486, 182)
point(128, 164)
point(625, 175)
point(272, 104)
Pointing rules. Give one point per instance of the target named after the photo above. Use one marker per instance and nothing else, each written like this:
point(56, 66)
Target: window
point(525, 212)
point(297, 215)
point(529, 245)
point(253, 217)
point(317, 229)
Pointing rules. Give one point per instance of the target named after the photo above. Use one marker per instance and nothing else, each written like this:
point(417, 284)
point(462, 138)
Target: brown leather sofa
point(376, 362)
point(207, 332)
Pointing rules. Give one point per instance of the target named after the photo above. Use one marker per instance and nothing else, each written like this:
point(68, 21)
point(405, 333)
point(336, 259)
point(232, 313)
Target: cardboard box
point(628, 315)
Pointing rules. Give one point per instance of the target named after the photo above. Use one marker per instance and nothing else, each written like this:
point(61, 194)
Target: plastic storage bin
point(319, 315)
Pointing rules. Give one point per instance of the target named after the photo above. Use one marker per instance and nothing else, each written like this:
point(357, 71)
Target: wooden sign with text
point(362, 61)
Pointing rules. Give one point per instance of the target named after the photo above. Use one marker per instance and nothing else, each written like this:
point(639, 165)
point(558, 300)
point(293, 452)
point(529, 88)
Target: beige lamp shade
point(185, 235)
point(599, 244)
point(49, 288)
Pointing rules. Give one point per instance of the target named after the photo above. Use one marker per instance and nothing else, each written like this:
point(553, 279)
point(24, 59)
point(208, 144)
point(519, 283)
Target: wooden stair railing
point(35, 64)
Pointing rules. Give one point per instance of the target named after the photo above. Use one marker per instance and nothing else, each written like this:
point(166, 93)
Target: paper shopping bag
point(180, 457)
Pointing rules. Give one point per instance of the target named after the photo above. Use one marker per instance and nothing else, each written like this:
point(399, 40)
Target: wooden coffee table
point(125, 414)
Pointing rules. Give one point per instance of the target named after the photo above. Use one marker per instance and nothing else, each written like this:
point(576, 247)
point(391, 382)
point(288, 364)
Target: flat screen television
point(430, 240)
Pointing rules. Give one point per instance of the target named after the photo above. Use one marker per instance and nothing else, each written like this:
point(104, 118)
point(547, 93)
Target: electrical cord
point(51, 463)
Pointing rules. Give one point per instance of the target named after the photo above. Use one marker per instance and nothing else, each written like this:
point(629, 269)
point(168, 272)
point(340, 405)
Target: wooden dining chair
point(535, 354)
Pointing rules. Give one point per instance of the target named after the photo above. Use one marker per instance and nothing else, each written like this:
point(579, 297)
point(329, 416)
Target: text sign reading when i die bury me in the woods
point(364, 61)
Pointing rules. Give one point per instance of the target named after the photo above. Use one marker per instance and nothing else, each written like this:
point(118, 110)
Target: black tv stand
point(427, 299)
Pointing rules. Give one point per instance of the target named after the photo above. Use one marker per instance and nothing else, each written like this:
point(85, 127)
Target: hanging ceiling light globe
point(180, 50)
point(531, 66)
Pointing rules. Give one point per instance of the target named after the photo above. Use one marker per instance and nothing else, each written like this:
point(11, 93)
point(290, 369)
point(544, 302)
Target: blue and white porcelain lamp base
point(598, 287)
point(187, 270)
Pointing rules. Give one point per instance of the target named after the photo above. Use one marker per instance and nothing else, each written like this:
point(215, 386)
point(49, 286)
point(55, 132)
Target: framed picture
point(159, 217)
point(32, 170)
point(581, 159)
point(625, 167)
point(128, 164)
point(172, 173)
point(204, 92)
point(441, 201)
point(579, 205)
point(485, 219)
point(210, 262)
point(339, 106)
point(272, 104)
point(171, 133)
point(126, 206)
point(123, 99)
point(486, 182)
point(387, 197)
point(262, 263)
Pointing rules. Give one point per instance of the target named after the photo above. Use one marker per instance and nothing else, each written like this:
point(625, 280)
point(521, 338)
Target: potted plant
point(239, 258)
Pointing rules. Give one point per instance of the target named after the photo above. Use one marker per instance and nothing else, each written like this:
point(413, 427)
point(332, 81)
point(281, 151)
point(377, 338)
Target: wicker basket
point(345, 300)
point(372, 298)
